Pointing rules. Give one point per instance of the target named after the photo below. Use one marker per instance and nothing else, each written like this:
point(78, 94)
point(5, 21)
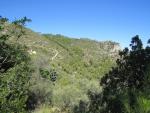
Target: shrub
point(15, 71)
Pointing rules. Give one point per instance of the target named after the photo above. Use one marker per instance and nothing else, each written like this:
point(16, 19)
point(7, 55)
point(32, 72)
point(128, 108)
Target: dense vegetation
point(61, 67)
point(45, 73)
point(15, 71)
point(125, 89)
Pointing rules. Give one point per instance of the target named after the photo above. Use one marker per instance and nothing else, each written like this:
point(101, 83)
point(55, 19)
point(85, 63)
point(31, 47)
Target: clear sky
point(116, 20)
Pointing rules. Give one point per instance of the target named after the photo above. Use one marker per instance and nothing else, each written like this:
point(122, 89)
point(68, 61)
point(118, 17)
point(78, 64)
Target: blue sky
point(116, 20)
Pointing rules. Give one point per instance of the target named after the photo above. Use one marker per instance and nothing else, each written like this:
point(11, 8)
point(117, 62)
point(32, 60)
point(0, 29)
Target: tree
point(15, 71)
point(125, 84)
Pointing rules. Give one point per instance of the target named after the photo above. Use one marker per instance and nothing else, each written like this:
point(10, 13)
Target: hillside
point(46, 73)
point(64, 69)
point(69, 59)
point(79, 63)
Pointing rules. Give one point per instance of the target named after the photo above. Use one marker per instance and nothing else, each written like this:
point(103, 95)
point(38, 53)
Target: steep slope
point(79, 64)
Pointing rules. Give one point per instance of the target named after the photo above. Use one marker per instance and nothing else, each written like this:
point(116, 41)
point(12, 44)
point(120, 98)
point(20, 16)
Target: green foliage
point(52, 75)
point(14, 87)
point(76, 61)
point(67, 97)
point(38, 95)
point(15, 71)
point(125, 87)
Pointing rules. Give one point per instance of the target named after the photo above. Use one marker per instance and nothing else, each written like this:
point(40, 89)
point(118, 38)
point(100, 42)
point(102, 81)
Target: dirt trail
point(47, 49)
point(55, 55)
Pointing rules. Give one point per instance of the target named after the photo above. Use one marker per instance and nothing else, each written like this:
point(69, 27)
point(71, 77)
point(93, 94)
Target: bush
point(67, 97)
point(15, 71)
point(38, 97)
point(125, 88)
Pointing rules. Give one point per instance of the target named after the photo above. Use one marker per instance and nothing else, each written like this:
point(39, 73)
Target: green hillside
point(64, 69)
point(79, 63)
point(45, 73)
point(48, 71)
